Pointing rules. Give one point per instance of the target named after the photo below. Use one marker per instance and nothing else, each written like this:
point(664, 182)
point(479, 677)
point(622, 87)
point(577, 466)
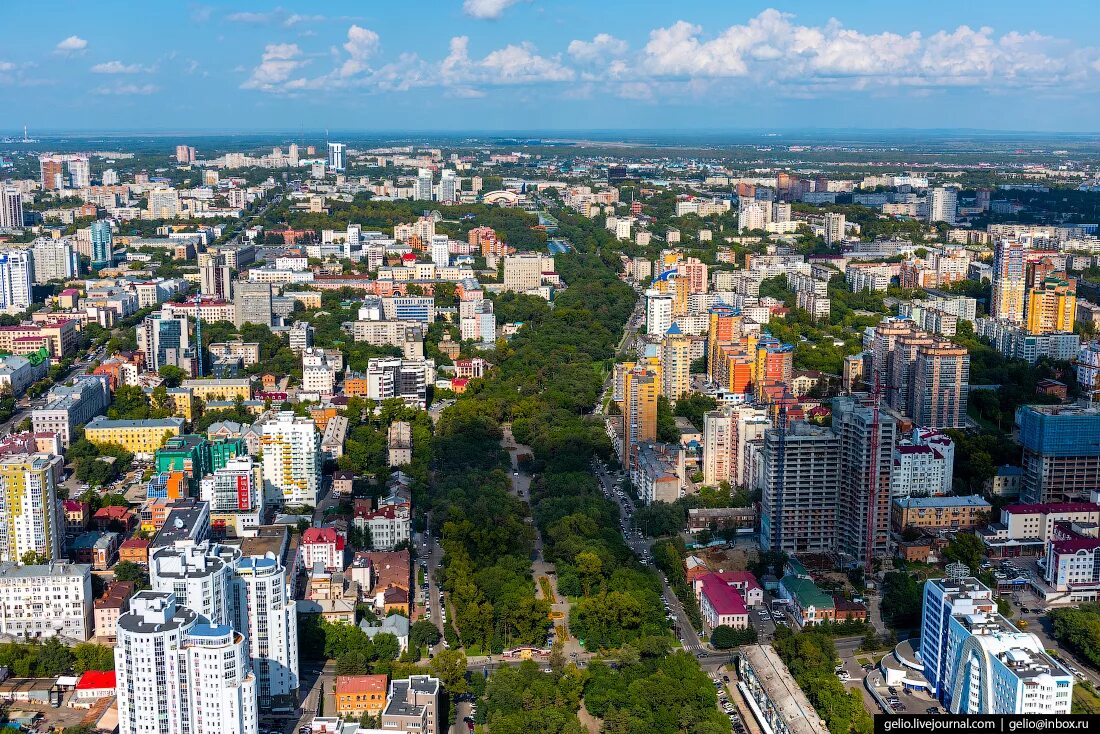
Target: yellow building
point(140, 437)
point(181, 402)
point(675, 364)
point(1052, 306)
point(27, 482)
point(230, 389)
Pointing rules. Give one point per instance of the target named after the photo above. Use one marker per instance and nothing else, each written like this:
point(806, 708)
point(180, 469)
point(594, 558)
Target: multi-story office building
point(252, 303)
point(45, 600)
point(977, 662)
point(102, 244)
point(1052, 306)
point(235, 497)
point(1061, 458)
point(300, 336)
point(523, 271)
point(410, 308)
point(180, 674)
point(11, 208)
point(166, 340)
point(16, 279)
point(29, 512)
point(941, 385)
point(291, 449)
point(1009, 281)
point(54, 260)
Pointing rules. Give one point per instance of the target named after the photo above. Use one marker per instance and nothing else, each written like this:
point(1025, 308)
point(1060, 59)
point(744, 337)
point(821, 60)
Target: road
point(26, 405)
point(316, 679)
point(642, 547)
point(630, 332)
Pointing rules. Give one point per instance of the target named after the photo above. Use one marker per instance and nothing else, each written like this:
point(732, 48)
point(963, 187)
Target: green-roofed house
point(809, 603)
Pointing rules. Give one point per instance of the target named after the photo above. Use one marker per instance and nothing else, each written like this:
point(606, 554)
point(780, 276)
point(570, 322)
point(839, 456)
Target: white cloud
point(256, 18)
point(296, 19)
point(128, 89)
point(117, 67)
point(513, 64)
point(486, 9)
point(278, 63)
point(71, 45)
point(362, 43)
point(601, 48)
point(6, 66)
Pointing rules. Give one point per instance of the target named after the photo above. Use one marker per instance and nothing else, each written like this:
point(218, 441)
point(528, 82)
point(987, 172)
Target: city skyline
point(531, 64)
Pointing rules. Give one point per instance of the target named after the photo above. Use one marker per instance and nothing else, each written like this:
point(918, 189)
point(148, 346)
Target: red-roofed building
point(1071, 563)
point(721, 604)
point(743, 582)
point(459, 384)
point(471, 367)
point(77, 514)
point(324, 546)
point(105, 517)
point(95, 684)
point(389, 525)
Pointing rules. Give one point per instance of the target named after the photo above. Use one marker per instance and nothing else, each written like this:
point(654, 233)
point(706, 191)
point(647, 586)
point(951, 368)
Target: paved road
point(316, 679)
point(642, 547)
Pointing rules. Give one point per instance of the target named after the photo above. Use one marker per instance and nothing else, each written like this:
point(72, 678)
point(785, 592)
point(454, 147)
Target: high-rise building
point(80, 173)
point(110, 177)
point(800, 485)
point(200, 575)
point(640, 389)
point(523, 271)
point(401, 379)
point(28, 507)
point(942, 205)
point(102, 244)
point(16, 279)
point(940, 385)
point(185, 154)
point(11, 208)
point(977, 662)
point(422, 190)
point(441, 252)
point(336, 157)
point(1088, 369)
point(866, 464)
point(178, 673)
point(658, 312)
point(252, 303)
point(448, 186)
point(834, 227)
point(291, 460)
point(902, 363)
point(1009, 281)
point(165, 340)
point(675, 364)
point(1061, 459)
point(54, 260)
point(1052, 306)
point(216, 279)
point(717, 447)
point(163, 203)
point(267, 614)
point(51, 174)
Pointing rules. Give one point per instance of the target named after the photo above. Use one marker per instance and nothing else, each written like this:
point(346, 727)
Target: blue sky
point(550, 64)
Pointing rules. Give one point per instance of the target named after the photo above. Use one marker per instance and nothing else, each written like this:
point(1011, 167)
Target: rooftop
point(918, 503)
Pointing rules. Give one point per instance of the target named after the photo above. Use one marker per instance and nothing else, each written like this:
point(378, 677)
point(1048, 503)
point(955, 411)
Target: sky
point(546, 65)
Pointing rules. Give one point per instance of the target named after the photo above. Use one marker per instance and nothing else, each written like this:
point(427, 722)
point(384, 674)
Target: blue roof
point(674, 329)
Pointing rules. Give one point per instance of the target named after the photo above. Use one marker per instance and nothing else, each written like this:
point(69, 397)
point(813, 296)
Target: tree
point(88, 656)
point(450, 667)
point(172, 375)
point(386, 646)
point(55, 658)
point(352, 663)
point(966, 548)
point(132, 572)
point(30, 558)
point(422, 633)
point(723, 637)
point(901, 600)
point(589, 568)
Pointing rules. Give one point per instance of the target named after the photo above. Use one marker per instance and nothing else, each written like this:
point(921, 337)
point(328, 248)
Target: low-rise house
point(93, 686)
point(389, 525)
point(940, 513)
point(394, 624)
point(96, 548)
point(360, 694)
point(743, 582)
point(114, 518)
point(109, 607)
point(324, 546)
point(809, 604)
point(720, 604)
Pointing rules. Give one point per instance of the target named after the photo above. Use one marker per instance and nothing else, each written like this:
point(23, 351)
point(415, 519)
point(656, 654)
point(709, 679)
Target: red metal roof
point(723, 598)
point(94, 680)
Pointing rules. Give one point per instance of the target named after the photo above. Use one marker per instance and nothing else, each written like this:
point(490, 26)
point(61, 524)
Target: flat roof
point(786, 697)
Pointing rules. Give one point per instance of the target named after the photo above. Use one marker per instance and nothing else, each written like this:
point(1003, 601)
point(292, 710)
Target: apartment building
point(30, 520)
point(1061, 457)
point(44, 600)
point(140, 437)
point(291, 449)
point(413, 705)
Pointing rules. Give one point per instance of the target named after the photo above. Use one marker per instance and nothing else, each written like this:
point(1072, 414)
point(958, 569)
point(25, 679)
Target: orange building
point(134, 550)
point(355, 385)
point(360, 694)
point(321, 416)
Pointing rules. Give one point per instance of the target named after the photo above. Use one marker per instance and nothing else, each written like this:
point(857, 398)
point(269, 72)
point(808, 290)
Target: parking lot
point(728, 700)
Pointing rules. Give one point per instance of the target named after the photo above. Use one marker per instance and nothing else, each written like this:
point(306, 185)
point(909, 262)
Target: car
point(893, 691)
point(515, 474)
